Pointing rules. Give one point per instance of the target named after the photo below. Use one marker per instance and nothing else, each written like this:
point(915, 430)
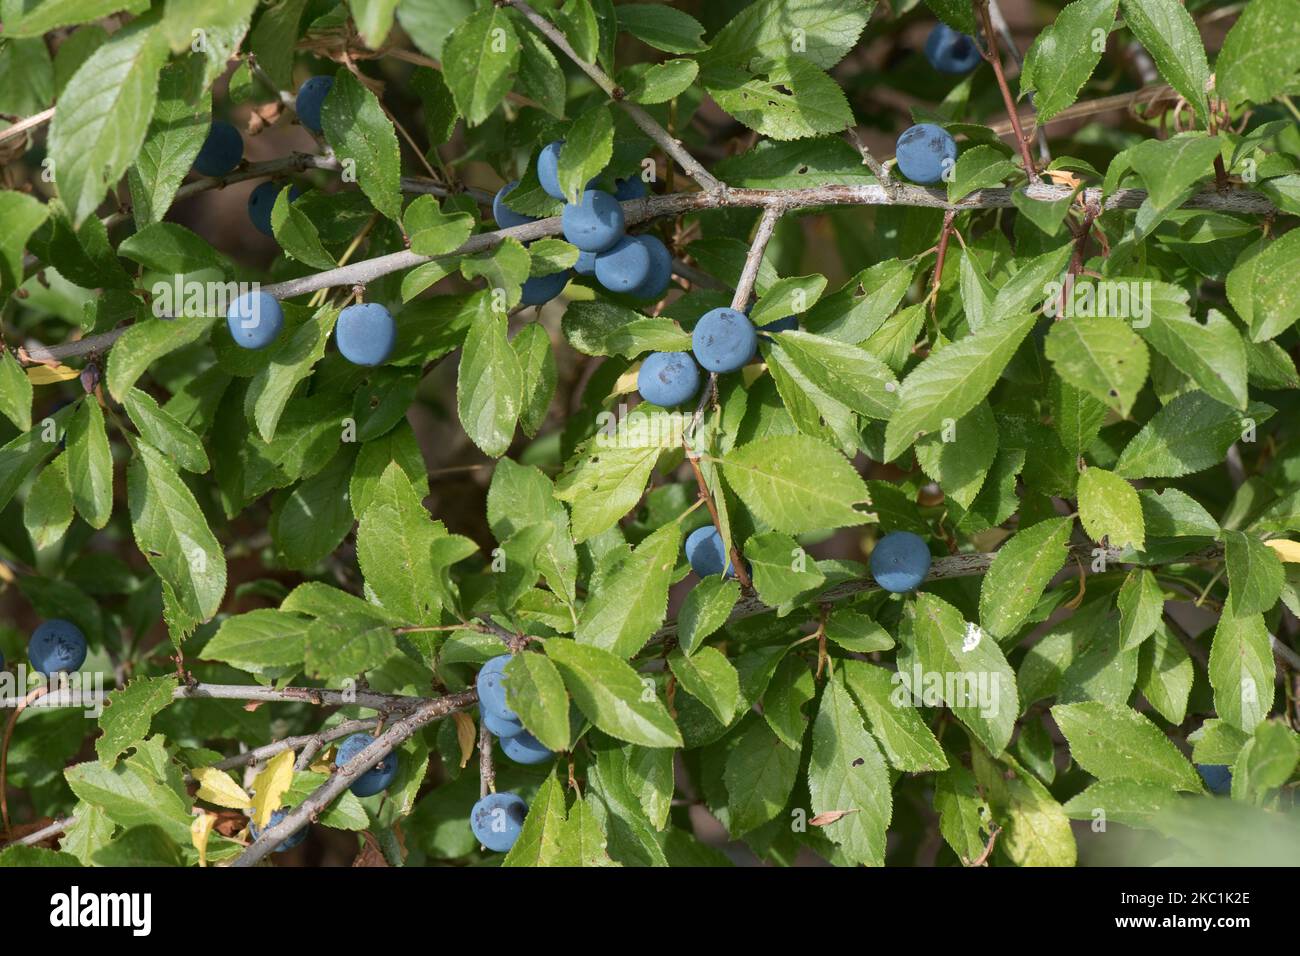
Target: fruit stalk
point(995, 60)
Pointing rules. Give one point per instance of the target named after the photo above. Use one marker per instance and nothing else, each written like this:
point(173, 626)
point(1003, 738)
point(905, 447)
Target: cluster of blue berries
point(365, 332)
point(639, 266)
point(496, 819)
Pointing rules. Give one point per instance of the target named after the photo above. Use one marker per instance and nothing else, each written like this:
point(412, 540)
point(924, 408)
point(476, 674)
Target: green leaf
point(539, 375)
point(1170, 168)
point(374, 18)
point(605, 486)
point(1173, 514)
point(792, 99)
point(1165, 675)
point(433, 232)
point(847, 773)
point(535, 691)
point(662, 27)
point(489, 382)
point(90, 464)
point(1141, 603)
point(1260, 54)
point(906, 740)
point(845, 373)
point(796, 483)
point(1100, 355)
point(1115, 742)
point(173, 535)
point(265, 641)
point(479, 62)
point(1242, 670)
point(145, 342)
point(291, 361)
point(22, 215)
point(603, 328)
point(505, 266)
point(539, 838)
point(652, 83)
point(959, 457)
point(1212, 353)
point(273, 39)
point(630, 604)
point(952, 381)
point(789, 691)
point(1123, 801)
point(540, 76)
point(164, 432)
point(1167, 31)
point(612, 696)
point(964, 817)
point(104, 114)
point(710, 678)
point(140, 847)
point(394, 541)
point(762, 31)
point(1020, 572)
point(979, 168)
point(1193, 432)
point(945, 658)
point(1036, 831)
point(131, 796)
point(15, 392)
point(582, 840)
point(781, 569)
point(297, 234)
point(588, 147)
point(1063, 56)
point(360, 132)
point(1109, 508)
point(706, 608)
point(342, 646)
point(1263, 288)
point(128, 714)
point(1254, 574)
point(760, 773)
point(175, 136)
point(48, 509)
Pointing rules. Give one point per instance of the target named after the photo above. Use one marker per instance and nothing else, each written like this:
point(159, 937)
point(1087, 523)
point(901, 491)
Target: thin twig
point(394, 736)
point(995, 60)
point(644, 120)
point(31, 122)
point(487, 775)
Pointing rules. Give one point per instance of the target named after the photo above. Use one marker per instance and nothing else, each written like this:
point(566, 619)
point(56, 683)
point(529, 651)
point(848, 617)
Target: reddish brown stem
point(742, 575)
point(995, 60)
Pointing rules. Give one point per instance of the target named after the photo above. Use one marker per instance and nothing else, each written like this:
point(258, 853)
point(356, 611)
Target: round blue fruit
point(503, 214)
point(262, 200)
point(789, 324)
point(594, 223)
point(723, 340)
point(56, 647)
point(311, 96)
point(625, 265)
point(499, 726)
point(375, 779)
point(1217, 777)
point(525, 748)
point(706, 553)
point(221, 151)
point(542, 289)
point(491, 687)
point(633, 187)
point(668, 378)
point(365, 334)
point(661, 270)
point(925, 152)
point(900, 561)
point(497, 819)
point(548, 169)
point(586, 264)
point(255, 319)
point(951, 52)
point(254, 832)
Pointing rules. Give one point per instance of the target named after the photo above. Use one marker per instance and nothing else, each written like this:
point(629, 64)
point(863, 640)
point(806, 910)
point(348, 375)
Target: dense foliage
point(1047, 345)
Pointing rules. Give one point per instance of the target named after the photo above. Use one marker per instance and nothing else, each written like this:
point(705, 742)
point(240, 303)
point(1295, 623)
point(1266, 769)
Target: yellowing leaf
point(44, 375)
point(1288, 551)
point(217, 786)
point(466, 735)
point(200, 830)
point(270, 786)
